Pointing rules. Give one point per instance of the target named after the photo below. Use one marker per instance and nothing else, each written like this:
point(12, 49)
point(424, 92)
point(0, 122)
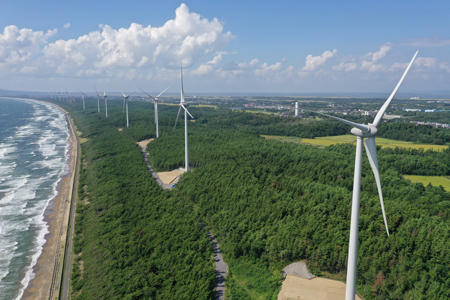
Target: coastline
point(47, 269)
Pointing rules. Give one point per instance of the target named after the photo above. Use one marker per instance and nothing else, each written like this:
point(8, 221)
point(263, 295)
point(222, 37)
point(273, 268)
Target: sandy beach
point(48, 267)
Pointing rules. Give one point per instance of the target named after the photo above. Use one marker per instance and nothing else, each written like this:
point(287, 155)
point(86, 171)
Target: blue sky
point(225, 46)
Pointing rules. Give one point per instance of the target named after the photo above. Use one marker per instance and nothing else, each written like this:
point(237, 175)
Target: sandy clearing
point(170, 177)
point(144, 143)
point(295, 288)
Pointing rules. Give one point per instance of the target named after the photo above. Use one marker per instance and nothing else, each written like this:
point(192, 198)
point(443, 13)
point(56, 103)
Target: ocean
point(34, 153)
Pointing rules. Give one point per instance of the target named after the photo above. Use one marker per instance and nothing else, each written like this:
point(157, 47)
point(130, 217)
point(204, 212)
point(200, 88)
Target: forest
point(268, 204)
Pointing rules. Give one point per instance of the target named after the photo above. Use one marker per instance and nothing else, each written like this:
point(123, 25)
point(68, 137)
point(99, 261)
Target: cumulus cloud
point(313, 62)
point(18, 46)
point(371, 65)
point(184, 40)
point(207, 68)
point(181, 41)
point(420, 61)
point(444, 66)
point(350, 66)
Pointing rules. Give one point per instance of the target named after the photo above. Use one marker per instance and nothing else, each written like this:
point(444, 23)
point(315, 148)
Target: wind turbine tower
point(155, 100)
point(125, 100)
point(82, 96)
point(98, 99)
point(106, 102)
point(296, 109)
point(362, 131)
point(186, 113)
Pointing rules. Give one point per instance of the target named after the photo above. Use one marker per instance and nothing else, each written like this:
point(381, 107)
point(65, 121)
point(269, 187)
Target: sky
point(234, 46)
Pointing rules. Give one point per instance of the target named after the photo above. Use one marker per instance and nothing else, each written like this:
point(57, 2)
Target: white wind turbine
point(186, 113)
point(155, 100)
point(362, 131)
point(125, 101)
point(82, 96)
point(106, 102)
point(98, 99)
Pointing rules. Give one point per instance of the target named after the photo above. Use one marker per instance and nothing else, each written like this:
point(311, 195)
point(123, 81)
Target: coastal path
point(221, 265)
point(65, 280)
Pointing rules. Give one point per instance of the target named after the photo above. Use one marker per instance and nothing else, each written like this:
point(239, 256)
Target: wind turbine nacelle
point(372, 131)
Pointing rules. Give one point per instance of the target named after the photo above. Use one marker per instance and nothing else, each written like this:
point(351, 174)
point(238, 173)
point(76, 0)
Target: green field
point(434, 180)
point(332, 140)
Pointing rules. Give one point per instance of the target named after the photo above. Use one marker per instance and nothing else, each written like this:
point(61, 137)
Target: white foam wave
point(52, 142)
point(7, 148)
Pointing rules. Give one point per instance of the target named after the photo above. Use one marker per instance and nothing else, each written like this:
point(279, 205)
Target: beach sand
point(48, 267)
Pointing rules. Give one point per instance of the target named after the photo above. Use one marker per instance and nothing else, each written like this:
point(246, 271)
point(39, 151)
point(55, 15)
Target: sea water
point(34, 152)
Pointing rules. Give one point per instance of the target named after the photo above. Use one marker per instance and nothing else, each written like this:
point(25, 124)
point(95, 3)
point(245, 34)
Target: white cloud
point(207, 68)
point(351, 66)
point(425, 61)
point(420, 61)
point(184, 40)
point(370, 65)
point(251, 64)
point(384, 49)
point(444, 66)
point(18, 46)
point(313, 62)
point(28, 70)
point(434, 41)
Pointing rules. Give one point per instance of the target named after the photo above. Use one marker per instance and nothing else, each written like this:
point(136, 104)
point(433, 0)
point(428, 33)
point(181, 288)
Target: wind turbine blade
point(371, 150)
point(148, 94)
point(182, 91)
point(95, 90)
point(363, 127)
point(176, 120)
point(186, 110)
point(130, 94)
point(122, 93)
point(161, 92)
point(380, 113)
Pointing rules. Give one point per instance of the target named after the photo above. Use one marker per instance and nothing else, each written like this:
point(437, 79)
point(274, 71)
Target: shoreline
point(47, 269)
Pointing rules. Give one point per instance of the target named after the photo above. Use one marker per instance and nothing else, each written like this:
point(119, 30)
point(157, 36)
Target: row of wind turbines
point(183, 105)
point(364, 133)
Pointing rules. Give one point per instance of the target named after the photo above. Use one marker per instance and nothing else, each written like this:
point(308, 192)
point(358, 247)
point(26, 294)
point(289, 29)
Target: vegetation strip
point(271, 204)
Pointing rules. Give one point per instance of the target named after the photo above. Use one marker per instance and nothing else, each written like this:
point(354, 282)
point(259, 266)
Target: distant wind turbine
point(106, 102)
point(362, 131)
point(82, 96)
point(125, 100)
point(67, 96)
point(186, 113)
point(98, 99)
point(155, 100)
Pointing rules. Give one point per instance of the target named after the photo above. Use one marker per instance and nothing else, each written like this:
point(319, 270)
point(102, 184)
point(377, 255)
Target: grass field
point(434, 180)
point(332, 140)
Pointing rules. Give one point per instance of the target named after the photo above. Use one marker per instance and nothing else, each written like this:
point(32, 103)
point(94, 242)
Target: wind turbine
point(362, 131)
point(155, 100)
point(106, 102)
point(82, 96)
point(125, 100)
point(186, 113)
point(98, 99)
point(67, 96)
